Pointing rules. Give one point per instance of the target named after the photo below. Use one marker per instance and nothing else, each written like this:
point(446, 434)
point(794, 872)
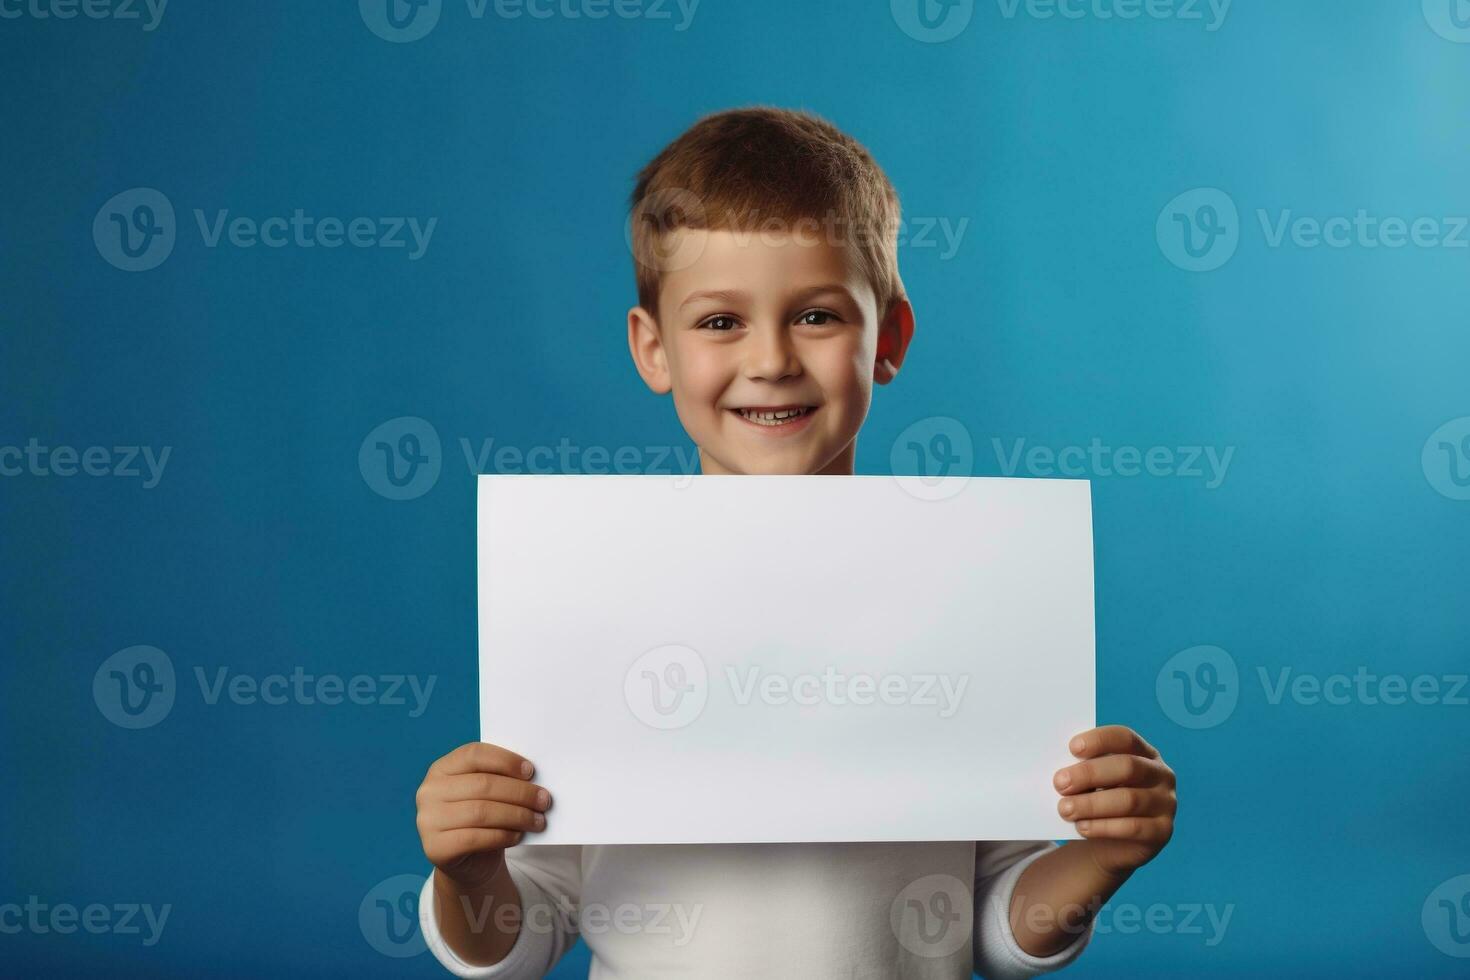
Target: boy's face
point(770, 345)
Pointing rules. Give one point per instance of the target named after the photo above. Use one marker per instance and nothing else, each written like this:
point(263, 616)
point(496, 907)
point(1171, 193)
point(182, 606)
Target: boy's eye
point(719, 323)
point(816, 318)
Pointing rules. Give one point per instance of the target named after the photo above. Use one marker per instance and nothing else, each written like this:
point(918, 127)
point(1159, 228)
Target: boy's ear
point(647, 348)
point(894, 335)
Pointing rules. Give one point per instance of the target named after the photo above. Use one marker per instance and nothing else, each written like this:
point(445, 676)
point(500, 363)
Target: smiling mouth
point(775, 417)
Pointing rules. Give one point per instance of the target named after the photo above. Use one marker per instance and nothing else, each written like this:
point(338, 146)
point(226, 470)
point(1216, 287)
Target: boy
point(769, 302)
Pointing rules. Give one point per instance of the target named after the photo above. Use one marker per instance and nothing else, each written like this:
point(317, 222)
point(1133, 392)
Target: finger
point(1120, 802)
point(455, 844)
point(1149, 830)
point(484, 757)
point(1111, 739)
point(480, 813)
point(1112, 770)
point(484, 786)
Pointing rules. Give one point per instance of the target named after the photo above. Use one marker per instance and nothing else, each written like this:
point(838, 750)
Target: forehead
point(767, 264)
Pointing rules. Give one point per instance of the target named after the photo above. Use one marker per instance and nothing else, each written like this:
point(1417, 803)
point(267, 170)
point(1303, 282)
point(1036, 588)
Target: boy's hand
point(1121, 798)
point(473, 804)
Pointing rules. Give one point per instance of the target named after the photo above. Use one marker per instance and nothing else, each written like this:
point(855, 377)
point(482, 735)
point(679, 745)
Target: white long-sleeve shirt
point(916, 911)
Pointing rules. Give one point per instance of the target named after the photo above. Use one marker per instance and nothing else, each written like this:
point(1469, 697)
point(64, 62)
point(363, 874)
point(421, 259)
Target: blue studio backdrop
point(1212, 256)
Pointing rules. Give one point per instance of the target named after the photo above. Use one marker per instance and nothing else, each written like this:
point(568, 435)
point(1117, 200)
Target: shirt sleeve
point(549, 879)
point(998, 866)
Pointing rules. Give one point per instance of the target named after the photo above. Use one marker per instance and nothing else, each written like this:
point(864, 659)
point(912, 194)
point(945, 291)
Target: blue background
point(1059, 319)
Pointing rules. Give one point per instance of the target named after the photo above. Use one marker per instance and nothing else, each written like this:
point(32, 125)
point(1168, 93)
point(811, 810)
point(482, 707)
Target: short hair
point(744, 169)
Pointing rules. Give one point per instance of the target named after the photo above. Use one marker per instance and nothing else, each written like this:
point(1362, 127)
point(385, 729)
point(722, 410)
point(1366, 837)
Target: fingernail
point(540, 822)
point(527, 769)
point(543, 799)
point(1068, 807)
point(1064, 779)
point(1084, 825)
point(1077, 745)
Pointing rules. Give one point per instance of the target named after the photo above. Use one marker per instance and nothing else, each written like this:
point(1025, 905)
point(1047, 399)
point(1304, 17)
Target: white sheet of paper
point(726, 659)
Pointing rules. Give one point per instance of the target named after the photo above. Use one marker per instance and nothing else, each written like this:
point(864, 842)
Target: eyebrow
point(736, 295)
point(723, 295)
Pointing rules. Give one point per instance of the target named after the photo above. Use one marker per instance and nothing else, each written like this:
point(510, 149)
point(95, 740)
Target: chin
point(779, 464)
point(803, 465)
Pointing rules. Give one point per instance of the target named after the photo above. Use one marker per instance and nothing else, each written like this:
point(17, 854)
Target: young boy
point(769, 303)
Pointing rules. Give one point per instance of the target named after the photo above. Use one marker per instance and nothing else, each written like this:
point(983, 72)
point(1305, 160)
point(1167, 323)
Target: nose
point(770, 355)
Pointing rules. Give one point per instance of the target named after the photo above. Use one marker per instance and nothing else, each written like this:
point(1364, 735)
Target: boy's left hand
point(1121, 798)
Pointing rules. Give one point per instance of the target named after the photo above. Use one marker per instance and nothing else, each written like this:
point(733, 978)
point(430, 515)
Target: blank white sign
point(726, 659)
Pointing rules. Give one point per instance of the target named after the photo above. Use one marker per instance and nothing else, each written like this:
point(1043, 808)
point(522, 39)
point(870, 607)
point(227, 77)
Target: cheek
point(845, 370)
point(699, 374)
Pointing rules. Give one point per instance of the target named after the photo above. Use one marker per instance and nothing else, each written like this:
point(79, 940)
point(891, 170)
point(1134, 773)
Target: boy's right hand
point(473, 804)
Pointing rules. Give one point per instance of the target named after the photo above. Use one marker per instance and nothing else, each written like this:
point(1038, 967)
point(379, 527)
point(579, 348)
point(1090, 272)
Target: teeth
point(778, 417)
